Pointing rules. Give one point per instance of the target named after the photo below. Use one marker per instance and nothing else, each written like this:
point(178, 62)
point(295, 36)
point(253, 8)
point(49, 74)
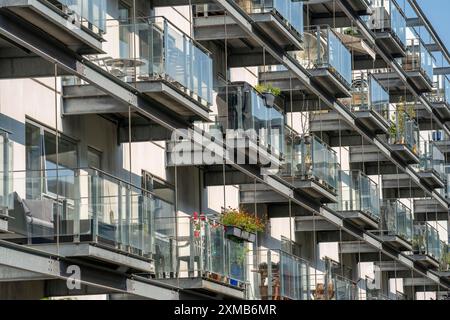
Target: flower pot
point(252, 237)
point(269, 99)
point(245, 235)
point(232, 231)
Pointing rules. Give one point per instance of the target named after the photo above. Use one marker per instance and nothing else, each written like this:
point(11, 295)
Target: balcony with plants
point(214, 250)
point(404, 134)
point(370, 103)
point(388, 22)
point(280, 276)
point(327, 59)
point(396, 224)
point(92, 215)
point(77, 24)
point(358, 199)
point(254, 115)
point(157, 59)
point(418, 64)
point(426, 245)
point(311, 166)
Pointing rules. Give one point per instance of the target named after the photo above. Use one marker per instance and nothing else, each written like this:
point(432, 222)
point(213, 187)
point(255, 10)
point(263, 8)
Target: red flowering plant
point(241, 219)
point(196, 221)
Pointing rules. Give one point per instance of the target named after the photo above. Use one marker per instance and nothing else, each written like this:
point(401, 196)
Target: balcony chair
point(195, 244)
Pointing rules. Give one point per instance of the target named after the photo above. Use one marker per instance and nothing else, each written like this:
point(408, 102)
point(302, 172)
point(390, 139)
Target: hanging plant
point(241, 224)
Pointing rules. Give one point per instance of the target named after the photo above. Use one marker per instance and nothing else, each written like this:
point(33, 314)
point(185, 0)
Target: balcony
point(77, 24)
point(358, 199)
point(328, 60)
point(396, 225)
point(389, 25)
point(440, 97)
point(335, 287)
point(6, 183)
point(404, 138)
point(426, 245)
point(311, 166)
point(157, 59)
point(280, 20)
point(370, 104)
point(88, 215)
point(207, 260)
point(431, 167)
point(418, 65)
point(252, 129)
point(281, 276)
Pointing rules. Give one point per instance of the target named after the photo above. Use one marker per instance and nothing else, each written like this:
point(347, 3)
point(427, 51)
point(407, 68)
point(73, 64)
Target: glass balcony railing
point(404, 131)
point(441, 91)
point(204, 251)
point(155, 49)
point(280, 276)
point(248, 111)
point(397, 220)
point(6, 183)
point(432, 159)
point(86, 205)
point(324, 49)
point(426, 240)
point(357, 192)
point(334, 287)
point(308, 157)
point(387, 17)
point(291, 11)
point(445, 257)
point(418, 58)
point(370, 95)
point(88, 13)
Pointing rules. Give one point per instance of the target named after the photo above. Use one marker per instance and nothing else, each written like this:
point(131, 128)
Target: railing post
point(269, 275)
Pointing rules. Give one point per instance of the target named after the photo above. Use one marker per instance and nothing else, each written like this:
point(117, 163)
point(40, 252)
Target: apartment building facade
point(137, 135)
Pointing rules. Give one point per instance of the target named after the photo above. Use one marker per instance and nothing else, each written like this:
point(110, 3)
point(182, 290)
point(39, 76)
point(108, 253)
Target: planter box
point(235, 232)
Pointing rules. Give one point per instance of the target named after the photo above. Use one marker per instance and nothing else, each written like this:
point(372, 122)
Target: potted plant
point(241, 224)
point(269, 93)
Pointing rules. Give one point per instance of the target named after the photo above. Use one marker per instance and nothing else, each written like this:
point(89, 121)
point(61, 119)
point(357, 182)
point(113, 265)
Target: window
point(42, 160)
point(94, 158)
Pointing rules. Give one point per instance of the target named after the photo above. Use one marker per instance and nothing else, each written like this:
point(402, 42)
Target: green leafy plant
point(351, 31)
point(241, 219)
point(268, 88)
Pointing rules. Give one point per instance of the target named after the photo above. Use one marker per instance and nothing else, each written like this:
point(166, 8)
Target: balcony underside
point(185, 153)
point(87, 99)
point(430, 210)
point(389, 44)
point(315, 188)
point(206, 287)
point(443, 109)
point(397, 87)
point(100, 255)
point(360, 218)
point(396, 241)
point(370, 160)
point(313, 223)
point(292, 88)
point(218, 28)
point(54, 24)
point(372, 120)
point(425, 260)
point(405, 154)
point(329, 13)
point(400, 186)
point(443, 145)
point(330, 83)
point(431, 179)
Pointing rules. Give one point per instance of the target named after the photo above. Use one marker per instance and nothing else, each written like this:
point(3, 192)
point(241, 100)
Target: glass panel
point(397, 219)
point(378, 98)
point(91, 13)
point(99, 209)
point(418, 58)
point(357, 192)
point(6, 162)
point(290, 10)
point(432, 159)
point(155, 49)
point(388, 17)
point(426, 240)
point(405, 131)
